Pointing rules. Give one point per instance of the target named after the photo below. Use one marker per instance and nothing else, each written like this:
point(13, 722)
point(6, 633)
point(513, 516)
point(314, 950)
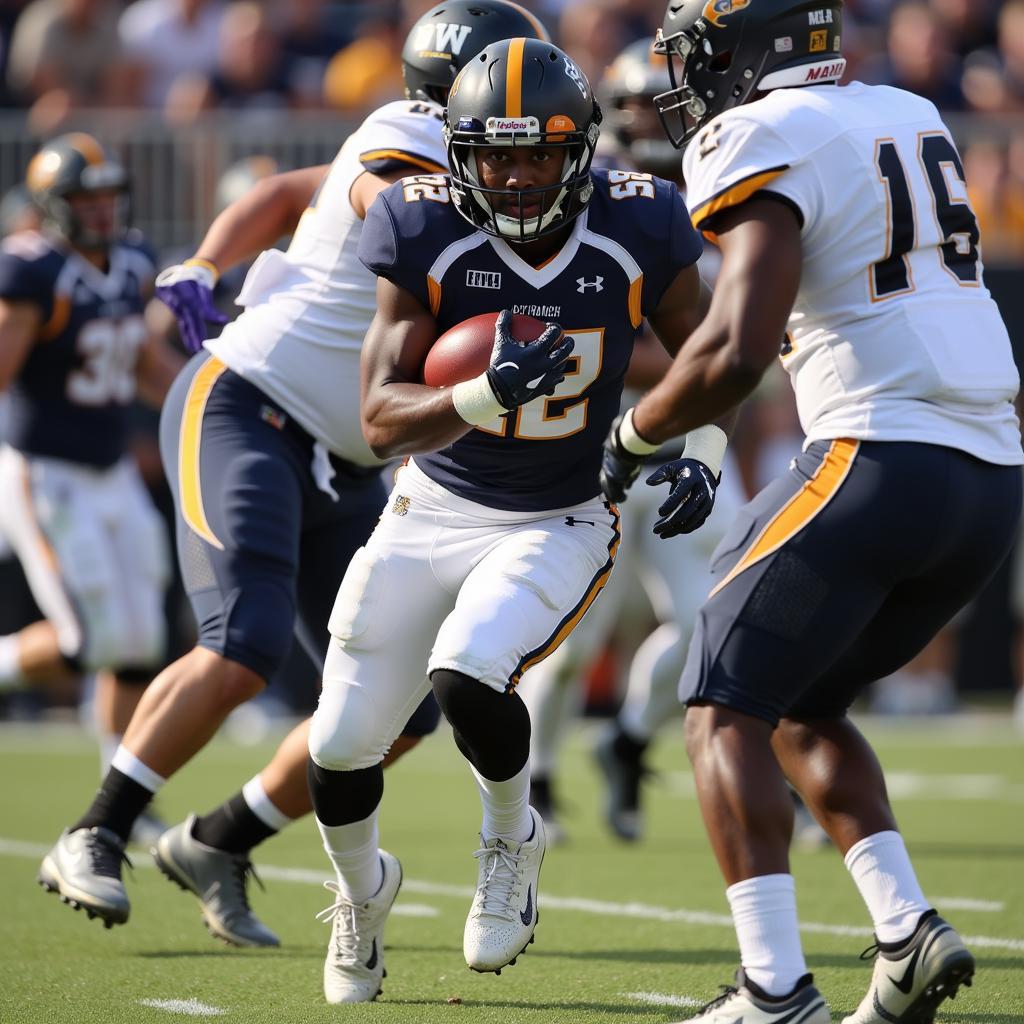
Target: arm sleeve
point(379, 249)
point(733, 159)
point(685, 246)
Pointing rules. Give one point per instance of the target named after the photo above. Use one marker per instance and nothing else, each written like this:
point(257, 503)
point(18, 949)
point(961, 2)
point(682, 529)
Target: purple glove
point(187, 290)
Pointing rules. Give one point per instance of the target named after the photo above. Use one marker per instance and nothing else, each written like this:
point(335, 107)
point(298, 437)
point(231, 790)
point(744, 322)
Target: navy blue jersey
point(623, 252)
point(71, 397)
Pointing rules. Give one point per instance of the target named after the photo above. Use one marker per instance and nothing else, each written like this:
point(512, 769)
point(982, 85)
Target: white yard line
point(661, 999)
point(604, 908)
point(189, 1007)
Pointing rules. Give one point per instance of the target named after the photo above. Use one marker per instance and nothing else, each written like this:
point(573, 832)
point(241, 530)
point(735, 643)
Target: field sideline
point(626, 934)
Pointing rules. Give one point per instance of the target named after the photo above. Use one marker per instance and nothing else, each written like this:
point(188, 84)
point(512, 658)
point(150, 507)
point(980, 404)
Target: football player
point(495, 541)
point(842, 216)
point(74, 351)
point(274, 485)
point(675, 579)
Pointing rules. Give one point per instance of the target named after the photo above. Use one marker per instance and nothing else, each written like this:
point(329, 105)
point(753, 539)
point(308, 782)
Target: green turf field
point(626, 933)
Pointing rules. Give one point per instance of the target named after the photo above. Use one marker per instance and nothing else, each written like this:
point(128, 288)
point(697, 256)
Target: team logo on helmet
point(715, 10)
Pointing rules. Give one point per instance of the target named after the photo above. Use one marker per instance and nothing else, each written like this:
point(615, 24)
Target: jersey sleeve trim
point(629, 266)
point(738, 192)
point(786, 201)
point(381, 161)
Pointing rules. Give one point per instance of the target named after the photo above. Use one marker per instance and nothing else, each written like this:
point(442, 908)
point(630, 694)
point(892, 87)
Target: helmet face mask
point(450, 34)
point(723, 53)
point(626, 94)
point(521, 93)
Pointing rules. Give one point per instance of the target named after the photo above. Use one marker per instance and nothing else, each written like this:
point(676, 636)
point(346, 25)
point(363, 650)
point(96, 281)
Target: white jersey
point(307, 310)
point(893, 335)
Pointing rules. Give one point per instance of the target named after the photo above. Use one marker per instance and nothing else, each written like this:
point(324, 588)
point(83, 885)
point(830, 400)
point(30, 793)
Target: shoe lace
point(344, 917)
point(871, 952)
point(241, 869)
point(500, 881)
point(105, 857)
point(726, 992)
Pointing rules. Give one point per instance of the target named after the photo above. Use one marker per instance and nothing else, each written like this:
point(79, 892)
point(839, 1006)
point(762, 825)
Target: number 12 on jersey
point(950, 210)
point(538, 420)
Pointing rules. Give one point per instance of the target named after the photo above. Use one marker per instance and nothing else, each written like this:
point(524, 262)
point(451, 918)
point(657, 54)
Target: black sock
point(626, 747)
point(232, 827)
point(119, 801)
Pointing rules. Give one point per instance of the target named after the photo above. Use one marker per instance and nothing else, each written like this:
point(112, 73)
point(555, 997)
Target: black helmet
point(439, 44)
point(521, 92)
point(728, 49)
point(67, 165)
point(638, 74)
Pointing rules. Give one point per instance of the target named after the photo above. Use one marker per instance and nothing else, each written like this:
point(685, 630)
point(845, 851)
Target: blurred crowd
point(183, 57)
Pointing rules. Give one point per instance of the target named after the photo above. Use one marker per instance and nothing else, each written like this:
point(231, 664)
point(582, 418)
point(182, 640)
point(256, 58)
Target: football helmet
point(450, 34)
point(74, 164)
point(521, 92)
point(632, 80)
point(723, 53)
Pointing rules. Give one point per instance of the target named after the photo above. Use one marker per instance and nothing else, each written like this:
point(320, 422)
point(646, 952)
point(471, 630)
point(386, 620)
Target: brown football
point(464, 351)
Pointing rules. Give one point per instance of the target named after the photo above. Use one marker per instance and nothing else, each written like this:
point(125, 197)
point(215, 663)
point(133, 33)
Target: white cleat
point(911, 980)
point(745, 1003)
point(504, 914)
point(354, 967)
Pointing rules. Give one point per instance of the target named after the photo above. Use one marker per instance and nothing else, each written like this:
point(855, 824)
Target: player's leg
point(386, 616)
point(49, 649)
point(515, 607)
point(217, 846)
point(553, 694)
point(235, 479)
point(773, 629)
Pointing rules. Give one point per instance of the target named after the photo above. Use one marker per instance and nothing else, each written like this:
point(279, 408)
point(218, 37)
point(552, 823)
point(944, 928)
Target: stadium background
point(184, 91)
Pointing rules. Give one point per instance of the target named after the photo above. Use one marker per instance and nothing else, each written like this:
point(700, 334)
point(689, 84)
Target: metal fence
point(175, 169)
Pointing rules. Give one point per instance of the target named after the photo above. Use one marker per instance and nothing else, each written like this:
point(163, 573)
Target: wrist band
point(707, 445)
point(631, 440)
point(199, 261)
point(475, 402)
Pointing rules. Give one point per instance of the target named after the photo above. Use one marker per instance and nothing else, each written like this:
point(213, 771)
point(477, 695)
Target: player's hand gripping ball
point(522, 357)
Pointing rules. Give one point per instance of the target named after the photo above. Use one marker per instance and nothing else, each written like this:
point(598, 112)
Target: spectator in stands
point(66, 52)
point(995, 184)
point(969, 24)
point(164, 39)
point(595, 31)
point(368, 72)
point(994, 79)
point(311, 33)
point(919, 58)
point(252, 74)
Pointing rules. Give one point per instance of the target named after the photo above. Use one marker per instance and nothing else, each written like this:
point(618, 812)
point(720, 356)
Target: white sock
point(10, 662)
point(506, 806)
point(255, 797)
point(109, 742)
point(764, 912)
point(883, 874)
point(354, 852)
point(128, 764)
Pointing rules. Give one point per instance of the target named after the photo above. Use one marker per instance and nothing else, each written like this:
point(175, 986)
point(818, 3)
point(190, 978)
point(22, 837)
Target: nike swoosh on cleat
point(372, 962)
point(906, 983)
point(526, 916)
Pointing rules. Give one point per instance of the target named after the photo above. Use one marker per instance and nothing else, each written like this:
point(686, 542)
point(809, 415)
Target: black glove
point(619, 467)
point(520, 371)
point(690, 500)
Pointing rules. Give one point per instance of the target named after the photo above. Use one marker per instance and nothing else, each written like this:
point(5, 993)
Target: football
point(464, 351)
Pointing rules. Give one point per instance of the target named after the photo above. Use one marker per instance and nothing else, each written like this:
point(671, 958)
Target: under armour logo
point(597, 284)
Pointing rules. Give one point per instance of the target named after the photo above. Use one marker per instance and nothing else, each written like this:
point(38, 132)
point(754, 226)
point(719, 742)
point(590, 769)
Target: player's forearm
point(702, 387)
point(270, 210)
point(409, 419)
